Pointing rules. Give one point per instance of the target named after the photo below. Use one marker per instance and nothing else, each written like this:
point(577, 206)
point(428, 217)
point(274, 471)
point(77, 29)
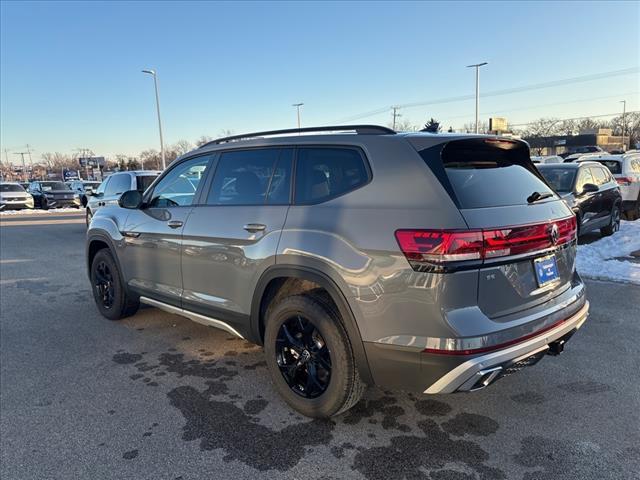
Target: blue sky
point(70, 72)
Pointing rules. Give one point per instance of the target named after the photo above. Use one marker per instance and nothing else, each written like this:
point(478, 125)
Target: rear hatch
point(528, 232)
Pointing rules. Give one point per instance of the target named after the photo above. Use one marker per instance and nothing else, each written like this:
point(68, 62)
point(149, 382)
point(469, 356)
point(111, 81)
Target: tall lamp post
point(477, 67)
point(298, 105)
point(155, 83)
point(624, 111)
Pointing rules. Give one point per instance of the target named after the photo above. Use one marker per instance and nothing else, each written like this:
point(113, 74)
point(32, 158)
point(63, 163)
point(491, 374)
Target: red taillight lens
point(441, 247)
point(624, 180)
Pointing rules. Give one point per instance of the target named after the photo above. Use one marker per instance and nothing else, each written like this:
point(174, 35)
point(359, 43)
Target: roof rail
point(359, 129)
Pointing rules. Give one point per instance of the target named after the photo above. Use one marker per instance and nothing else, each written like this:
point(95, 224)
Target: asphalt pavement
point(156, 396)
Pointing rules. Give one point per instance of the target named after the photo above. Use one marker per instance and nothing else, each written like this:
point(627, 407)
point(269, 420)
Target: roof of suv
point(333, 134)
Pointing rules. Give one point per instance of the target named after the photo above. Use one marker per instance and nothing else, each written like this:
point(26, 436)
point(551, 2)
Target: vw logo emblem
point(554, 233)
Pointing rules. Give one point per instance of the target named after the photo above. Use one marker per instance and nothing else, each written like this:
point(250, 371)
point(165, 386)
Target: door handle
point(254, 227)
point(174, 223)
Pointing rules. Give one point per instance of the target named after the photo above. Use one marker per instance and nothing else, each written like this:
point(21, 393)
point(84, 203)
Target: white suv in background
point(626, 170)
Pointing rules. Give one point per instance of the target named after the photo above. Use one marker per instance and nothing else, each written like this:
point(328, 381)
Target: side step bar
point(196, 317)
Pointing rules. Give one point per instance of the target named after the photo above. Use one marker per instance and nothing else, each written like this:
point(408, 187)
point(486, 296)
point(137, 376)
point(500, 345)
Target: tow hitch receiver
point(557, 347)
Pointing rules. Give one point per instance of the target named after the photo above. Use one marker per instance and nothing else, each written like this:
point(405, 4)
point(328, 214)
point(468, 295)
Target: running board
point(196, 317)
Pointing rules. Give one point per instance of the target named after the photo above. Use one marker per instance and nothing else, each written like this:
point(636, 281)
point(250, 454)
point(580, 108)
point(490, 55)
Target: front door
point(233, 237)
point(153, 233)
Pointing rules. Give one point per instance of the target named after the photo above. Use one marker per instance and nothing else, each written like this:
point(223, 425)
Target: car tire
point(309, 357)
point(614, 223)
point(44, 204)
point(88, 217)
point(111, 296)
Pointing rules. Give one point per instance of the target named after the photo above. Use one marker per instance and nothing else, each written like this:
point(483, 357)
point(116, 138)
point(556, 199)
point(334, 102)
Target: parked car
point(547, 159)
point(591, 192)
point(109, 191)
point(53, 194)
point(626, 170)
point(435, 263)
point(82, 187)
point(13, 196)
point(574, 152)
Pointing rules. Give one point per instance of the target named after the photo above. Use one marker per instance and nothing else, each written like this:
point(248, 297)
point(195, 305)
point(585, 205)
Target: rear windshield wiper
point(535, 196)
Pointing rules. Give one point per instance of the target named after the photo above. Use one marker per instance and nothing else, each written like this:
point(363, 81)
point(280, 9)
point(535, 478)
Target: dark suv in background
point(591, 192)
point(428, 262)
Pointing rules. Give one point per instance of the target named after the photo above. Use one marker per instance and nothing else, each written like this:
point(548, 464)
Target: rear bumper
point(407, 368)
point(482, 370)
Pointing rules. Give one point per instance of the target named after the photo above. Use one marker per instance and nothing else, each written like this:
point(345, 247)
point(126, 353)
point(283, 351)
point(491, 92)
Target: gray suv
point(355, 255)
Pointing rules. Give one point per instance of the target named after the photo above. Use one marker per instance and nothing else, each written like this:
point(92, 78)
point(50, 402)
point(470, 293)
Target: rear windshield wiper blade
point(535, 196)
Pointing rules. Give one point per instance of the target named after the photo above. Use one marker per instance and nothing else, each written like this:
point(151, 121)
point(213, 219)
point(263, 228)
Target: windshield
point(561, 179)
point(11, 188)
point(48, 186)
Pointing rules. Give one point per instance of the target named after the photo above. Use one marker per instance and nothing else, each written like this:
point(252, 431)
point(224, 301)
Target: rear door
point(232, 236)
point(605, 196)
point(499, 191)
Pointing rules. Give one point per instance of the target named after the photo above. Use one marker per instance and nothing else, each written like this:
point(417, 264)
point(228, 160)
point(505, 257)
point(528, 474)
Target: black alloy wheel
point(103, 283)
point(303, 357)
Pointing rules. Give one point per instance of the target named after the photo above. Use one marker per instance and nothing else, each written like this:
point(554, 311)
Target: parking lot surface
point(157, 396)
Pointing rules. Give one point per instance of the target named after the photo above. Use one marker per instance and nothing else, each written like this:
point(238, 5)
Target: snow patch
point(36, 211)
point(609, 258)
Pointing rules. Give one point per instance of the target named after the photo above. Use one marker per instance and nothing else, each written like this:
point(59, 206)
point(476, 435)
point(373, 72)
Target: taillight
point(624, 181)
point(441, 248)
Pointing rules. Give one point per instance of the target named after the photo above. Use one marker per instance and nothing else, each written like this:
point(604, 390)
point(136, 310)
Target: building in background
point(584, 142)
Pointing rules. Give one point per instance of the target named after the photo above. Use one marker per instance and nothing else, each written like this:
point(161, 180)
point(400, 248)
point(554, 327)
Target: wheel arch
point(278, 273)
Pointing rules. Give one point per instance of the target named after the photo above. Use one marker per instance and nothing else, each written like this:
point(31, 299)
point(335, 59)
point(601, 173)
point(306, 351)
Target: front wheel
point(44, 204)
point(111, 296)
point(309, 357)
point(614, 223)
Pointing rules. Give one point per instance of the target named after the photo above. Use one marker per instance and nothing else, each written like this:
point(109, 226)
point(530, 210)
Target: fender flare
point(325, 281)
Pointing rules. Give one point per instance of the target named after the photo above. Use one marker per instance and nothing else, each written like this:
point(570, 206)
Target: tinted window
point(584, 176)
point(243, 177)
point(561, 179)
point(614, 166)
point(483, 175)
point(178, 187)
point(103, 186)
point(7, 187)
point(280, 187)
point(324, 173)
point(598, 176)
point(144, 181)
point(118, 183)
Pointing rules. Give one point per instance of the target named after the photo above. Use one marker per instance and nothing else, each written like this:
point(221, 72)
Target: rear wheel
point(309, 357)
point(614, 222)
point(111, 296)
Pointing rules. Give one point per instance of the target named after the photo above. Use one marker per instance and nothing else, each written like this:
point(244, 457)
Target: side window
point(324, 173)
point(178, 187)
point(280, 186)
point(243, 177)
point(584, 176)
point(635, 166)
point(118, 183)
point(598, 175)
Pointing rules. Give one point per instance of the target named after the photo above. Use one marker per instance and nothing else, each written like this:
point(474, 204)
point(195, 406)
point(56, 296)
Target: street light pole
point(155, 84)
point(477, 67)
point(298, 105)
point(624, 111)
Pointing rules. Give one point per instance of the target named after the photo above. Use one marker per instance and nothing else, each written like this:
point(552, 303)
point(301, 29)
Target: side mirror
point(589, 188)
point(131, 199)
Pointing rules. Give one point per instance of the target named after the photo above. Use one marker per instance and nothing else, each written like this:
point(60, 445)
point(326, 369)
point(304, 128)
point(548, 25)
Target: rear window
point(614, 166)
point(143, 181)
point(481, 173)
point(561, 179)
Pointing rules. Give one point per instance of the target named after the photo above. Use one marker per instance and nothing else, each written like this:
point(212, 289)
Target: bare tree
point(470, 127)
point(182, 146)
point(404, 126)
